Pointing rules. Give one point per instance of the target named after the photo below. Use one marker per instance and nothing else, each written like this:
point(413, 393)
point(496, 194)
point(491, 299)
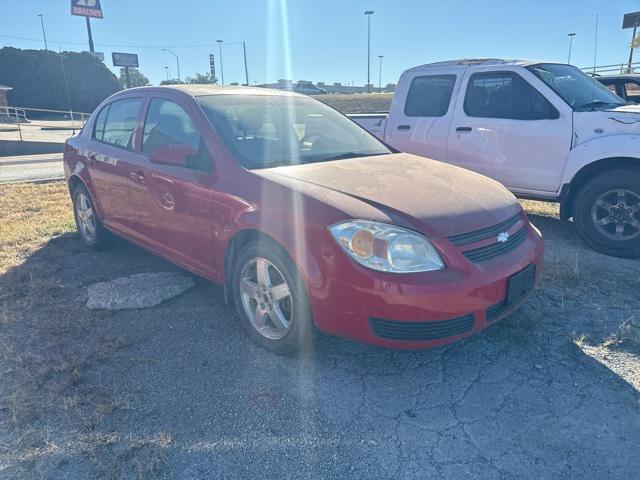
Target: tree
point(171, 81)
point(55, 81)
point(137, 78)
point(202, 79)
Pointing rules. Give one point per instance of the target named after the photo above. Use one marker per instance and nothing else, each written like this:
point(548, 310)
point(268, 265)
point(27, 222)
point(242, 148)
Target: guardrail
point(614, 69)
point(39, 124)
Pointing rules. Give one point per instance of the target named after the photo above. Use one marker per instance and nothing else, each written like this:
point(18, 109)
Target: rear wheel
point(270, 299)
point(91, 231)
point(607, 213)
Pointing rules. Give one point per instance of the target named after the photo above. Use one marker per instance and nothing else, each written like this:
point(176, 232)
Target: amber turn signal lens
point(362, 243)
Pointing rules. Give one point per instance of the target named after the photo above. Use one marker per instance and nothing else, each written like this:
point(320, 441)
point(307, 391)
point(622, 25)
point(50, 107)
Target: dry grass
point(30, 215)
point(359, 102)
point(544, 209)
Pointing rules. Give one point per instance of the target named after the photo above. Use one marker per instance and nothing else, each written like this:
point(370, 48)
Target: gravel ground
point(178, 391)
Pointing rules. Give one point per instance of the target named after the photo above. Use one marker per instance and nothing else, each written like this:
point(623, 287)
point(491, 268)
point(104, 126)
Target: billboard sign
point(124, 59)
point(631, 20)
point(86, 8)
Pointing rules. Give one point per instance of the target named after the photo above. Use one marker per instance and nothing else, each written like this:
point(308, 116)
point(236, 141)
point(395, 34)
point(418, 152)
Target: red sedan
point(306, 219)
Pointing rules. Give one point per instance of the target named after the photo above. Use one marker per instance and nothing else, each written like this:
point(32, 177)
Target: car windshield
point(580, 91)
point(265, 131)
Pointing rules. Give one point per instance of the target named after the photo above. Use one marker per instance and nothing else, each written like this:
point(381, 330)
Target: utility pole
point(91, 49)
point(166, 71)
point(177, 62)
point(633, 41)
point(44, 34)
point(221, 67)
point(246, 72)
point(368, 13)
point(570, 35)
point(380, 73)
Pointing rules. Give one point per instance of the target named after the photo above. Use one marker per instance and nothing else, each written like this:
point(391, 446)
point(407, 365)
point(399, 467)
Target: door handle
point(137, 177)
point(404, 127)
point(463, 129)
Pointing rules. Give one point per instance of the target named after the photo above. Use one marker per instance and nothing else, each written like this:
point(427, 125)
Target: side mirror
point(172, 154)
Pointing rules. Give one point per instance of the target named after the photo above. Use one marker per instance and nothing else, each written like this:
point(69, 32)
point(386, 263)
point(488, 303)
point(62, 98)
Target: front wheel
point(607, 213)
point(271, 299)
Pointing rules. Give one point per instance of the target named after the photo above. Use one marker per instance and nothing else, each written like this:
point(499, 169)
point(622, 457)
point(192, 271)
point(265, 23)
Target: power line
point(201, 45)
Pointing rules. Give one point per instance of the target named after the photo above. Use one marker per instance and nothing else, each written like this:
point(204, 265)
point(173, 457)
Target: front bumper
point(412, 311)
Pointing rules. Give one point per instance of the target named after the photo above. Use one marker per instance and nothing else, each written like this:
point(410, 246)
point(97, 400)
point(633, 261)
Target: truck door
point(506, 129)
point(421, 115)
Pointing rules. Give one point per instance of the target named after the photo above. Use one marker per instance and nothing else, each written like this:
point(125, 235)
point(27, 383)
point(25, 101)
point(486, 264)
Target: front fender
point(610, 146)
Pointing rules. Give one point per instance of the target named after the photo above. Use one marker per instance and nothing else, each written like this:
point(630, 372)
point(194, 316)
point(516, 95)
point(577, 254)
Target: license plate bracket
point(520, 285)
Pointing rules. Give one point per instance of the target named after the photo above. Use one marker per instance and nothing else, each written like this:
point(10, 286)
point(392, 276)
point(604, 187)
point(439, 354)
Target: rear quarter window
point(429, 96)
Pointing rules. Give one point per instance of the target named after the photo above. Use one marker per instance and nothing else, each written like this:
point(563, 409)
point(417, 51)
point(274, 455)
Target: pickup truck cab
point(546, 131)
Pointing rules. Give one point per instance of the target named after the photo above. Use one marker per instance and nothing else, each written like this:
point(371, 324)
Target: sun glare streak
point(279, 43)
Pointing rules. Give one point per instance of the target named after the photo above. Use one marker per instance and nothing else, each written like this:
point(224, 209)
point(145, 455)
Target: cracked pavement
point(540, 395)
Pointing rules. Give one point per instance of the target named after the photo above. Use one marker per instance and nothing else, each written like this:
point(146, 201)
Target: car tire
point(271, 299)
point(607, 213)
point(92, 233)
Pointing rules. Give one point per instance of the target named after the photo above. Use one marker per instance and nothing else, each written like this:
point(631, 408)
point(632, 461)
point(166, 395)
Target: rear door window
point(429, 96)
point(121, 122)
point(505, 95)
point(98, 128)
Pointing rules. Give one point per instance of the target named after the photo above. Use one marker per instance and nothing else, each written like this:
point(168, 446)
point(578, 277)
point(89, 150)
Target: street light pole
point(570, 35)
point(246, 72)
point(221, 68)
point(380, 73)
point(44, 35)
point(368, 13)
point(177, 62)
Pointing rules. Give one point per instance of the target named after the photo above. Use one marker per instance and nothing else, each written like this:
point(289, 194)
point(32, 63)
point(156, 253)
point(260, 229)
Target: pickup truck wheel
point(607, 213)
point(91, 231)
point(271, 299)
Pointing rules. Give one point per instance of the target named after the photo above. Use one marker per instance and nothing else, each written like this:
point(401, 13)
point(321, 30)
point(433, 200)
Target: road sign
point(86, 8)
point(124, 59)
point(631, 20)
point(98, 55)
point(212, 65)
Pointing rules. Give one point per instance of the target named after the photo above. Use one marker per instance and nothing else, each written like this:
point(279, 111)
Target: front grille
point(490, 251)
point(423, 330)
point(472, 237)
point(496, 311)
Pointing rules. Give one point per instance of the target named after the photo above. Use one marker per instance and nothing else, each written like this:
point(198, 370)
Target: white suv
point(545, 130)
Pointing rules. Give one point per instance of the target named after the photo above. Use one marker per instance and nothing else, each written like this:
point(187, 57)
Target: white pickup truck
point(545, 130)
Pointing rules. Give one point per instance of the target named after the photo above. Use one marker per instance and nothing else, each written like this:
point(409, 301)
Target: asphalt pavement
point(31, 168)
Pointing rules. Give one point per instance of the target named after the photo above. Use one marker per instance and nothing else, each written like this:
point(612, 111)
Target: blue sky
point(326, 40)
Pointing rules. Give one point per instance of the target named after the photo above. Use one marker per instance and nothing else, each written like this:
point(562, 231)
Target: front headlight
point(386, 248)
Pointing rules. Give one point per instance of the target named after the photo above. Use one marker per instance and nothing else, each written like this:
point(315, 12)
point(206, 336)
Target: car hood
point(438, 198)
point(623, 120)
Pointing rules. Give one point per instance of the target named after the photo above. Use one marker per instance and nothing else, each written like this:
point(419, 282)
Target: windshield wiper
point(591, 106)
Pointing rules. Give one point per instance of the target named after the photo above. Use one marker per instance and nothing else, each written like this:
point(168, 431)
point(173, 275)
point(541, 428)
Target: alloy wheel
point(86, 217)
point(615, 214)
point(266, 298)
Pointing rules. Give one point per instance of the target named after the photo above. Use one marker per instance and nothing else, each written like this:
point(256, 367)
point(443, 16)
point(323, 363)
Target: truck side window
point(429, 96)
point(505, 95)
point(632, 92)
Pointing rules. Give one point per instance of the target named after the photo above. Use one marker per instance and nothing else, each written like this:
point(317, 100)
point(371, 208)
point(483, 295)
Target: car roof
point(477, 62)
point(201, 90)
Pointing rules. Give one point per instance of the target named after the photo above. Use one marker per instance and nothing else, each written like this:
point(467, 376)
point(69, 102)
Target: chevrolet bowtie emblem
point(502, 237)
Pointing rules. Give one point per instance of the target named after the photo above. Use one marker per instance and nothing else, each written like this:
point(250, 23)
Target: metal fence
point(39, 124)
point(614, 69)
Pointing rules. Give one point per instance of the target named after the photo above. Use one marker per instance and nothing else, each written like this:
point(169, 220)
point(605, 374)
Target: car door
point(178, 198)
point(506, 129)
point(115, 167)
point(421, 115)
